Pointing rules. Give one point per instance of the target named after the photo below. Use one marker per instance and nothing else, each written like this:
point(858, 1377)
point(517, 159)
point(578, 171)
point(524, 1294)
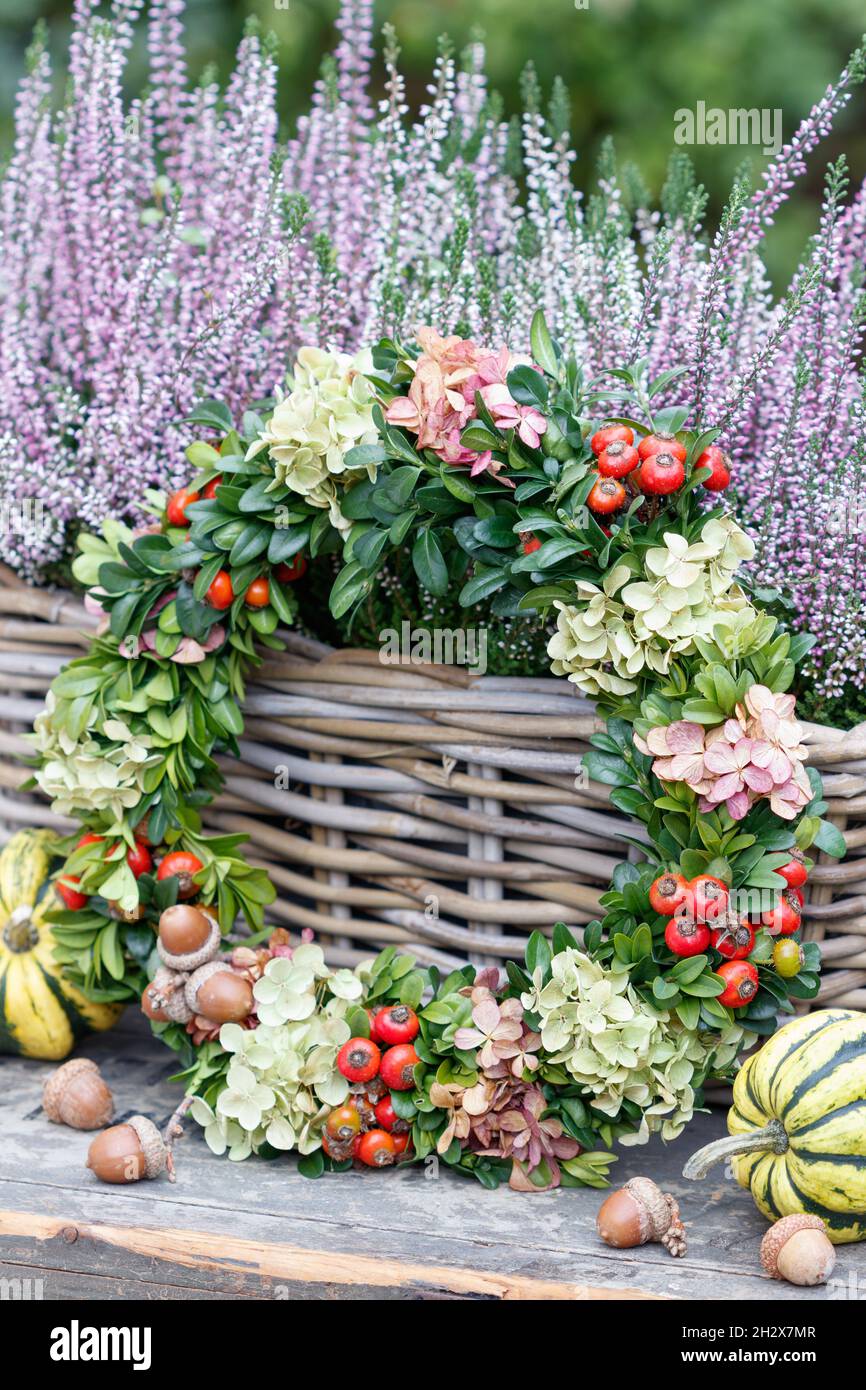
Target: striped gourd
point(799, 1124)
point(41, 1013)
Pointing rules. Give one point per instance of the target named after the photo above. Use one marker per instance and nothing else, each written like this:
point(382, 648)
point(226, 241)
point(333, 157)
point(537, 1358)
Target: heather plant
point(169, 247)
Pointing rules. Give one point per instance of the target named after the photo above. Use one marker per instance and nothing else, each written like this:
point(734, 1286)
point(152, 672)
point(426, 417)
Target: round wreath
point(591, 502)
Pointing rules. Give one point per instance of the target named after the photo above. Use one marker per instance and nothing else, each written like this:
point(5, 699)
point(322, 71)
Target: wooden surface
point(258, 1230)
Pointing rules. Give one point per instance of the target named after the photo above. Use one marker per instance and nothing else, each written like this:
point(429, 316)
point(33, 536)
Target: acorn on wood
point(188, 937)
point(639, 1213)
point(76, 1095)
point(128, 1152)
point(798, 1249)
point(219, 994)
point(164, 999)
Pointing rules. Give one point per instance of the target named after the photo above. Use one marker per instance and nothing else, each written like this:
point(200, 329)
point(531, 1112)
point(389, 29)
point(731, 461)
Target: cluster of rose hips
point(366, 1126)
point(699, 915)
point(221, 594)
point(179, 864)
point(655, 468)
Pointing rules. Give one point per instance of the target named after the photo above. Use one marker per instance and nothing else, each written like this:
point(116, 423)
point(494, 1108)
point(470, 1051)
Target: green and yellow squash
point(798, 1124)
point(41, 1014)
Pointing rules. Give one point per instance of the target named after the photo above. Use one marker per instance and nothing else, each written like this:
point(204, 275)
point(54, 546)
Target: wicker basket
point(420, 805)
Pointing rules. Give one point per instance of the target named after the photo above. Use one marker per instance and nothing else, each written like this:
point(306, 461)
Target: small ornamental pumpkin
point(798, 1124)
point(41, 1014)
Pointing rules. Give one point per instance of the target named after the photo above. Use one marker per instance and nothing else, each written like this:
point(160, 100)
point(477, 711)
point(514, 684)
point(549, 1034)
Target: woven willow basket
point(422, 806)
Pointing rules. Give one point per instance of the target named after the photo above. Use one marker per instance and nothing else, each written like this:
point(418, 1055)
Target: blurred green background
point(629, 64)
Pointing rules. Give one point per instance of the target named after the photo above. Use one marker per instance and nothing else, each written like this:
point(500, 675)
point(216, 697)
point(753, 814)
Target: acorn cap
point(198, 978)
point(780, 1232)
point(167, 987)
point(655, 1212)
point(152, 1145)
point(193, 959)
point(57, 1085)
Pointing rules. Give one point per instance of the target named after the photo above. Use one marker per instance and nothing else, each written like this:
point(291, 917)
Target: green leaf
point(429, 563)
point(481, 586)
point(706, 986)
point(363, 455)
point(689, 1012)
point(528, 387)
point(551, 553)
point(608, 768)
point(830, 839)
point(663, 989)
point(312, 1165)
point(688, 969)
point(543, 349)
point(538, 954)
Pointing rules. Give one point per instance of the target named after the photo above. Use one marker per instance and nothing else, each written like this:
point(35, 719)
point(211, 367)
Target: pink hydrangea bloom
point(442, 400)
point(188, 652)
point(508, 415)
point(758, 753)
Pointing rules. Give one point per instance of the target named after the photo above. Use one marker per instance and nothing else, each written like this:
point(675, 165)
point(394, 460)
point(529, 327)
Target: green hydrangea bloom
point(617, 1048)
point(631, 625)
point(328, 411)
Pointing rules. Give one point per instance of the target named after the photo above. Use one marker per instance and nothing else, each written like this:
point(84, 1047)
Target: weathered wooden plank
point(273, 1266)
point(358, 1232)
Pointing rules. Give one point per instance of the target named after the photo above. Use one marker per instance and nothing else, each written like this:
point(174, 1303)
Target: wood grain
point(216, 1254)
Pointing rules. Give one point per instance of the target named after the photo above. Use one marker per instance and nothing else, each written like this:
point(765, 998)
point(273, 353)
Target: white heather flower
point(328, 411)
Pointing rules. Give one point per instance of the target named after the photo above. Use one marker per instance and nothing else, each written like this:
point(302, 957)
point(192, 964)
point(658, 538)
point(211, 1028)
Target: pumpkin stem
point(771, 1139)
point(19, 934)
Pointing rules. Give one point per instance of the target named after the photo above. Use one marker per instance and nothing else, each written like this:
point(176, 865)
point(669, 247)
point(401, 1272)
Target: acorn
point(164, 999)
point(640, 1213)
point(798, 1249)
point(76, 1095)
point(188, 937)
point(218, 994)
point(128, 1152)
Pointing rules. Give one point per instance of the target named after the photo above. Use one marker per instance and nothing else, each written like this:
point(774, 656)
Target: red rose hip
point(710, 897)
point(397, 1024)
point(720, 462)
point(177, 504)
point(359, 1059)
point(377, 1148)
point(607, 496)
point(661, 474)
point(741, 983)
point(398, 1067)
point(794, 872)
point(668, 893)
point(221, 594)
point(617, 460)
point(611, 434)
point(686, 937)
point(661, 444)
point(73, 900)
